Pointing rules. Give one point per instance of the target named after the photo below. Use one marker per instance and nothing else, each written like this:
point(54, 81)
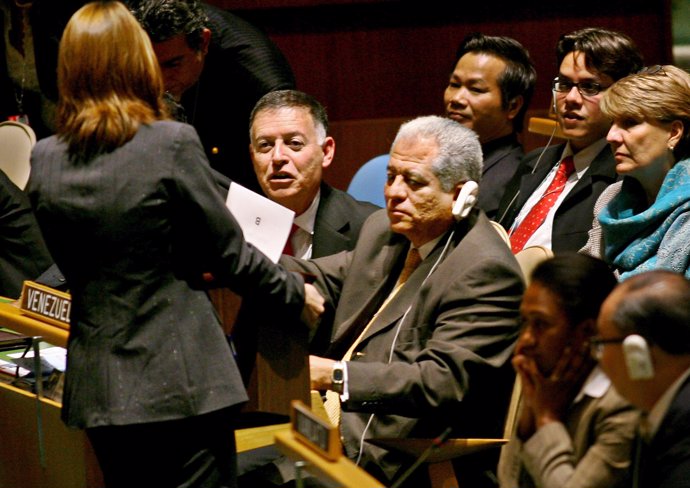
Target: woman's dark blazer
point(134, 230)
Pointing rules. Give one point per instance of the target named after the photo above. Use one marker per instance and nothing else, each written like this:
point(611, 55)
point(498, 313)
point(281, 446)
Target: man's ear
point(514, 107)
point(205, 40)
point(585, 330)
point(328, 148)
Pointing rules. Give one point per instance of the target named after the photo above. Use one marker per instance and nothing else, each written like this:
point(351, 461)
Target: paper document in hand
point(265, 224)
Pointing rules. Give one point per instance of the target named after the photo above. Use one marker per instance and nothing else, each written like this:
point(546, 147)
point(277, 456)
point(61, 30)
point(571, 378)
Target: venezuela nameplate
point(45, 303)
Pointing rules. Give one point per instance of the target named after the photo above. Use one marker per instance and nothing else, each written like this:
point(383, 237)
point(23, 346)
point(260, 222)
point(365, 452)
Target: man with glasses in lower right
point(643, 345)
point(550, 199)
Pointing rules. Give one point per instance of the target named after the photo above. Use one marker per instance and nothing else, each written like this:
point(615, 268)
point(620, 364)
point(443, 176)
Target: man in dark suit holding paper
point(290, 149)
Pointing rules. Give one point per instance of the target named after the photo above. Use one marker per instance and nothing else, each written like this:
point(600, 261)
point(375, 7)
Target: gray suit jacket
point(438, 354)
point(133, 230)
point(591, 450)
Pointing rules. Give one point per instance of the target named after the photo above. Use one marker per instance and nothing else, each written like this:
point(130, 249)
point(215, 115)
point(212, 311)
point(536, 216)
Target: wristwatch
point(338, 377)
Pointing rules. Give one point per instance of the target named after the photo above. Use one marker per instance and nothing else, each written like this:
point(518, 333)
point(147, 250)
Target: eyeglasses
point(586, 88)
point(652, 70)
point(596, 345)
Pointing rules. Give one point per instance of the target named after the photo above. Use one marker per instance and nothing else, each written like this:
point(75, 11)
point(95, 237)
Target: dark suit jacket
point(134, 230)
point(23, 253)
point(573, 218)
point(241, 66)
point(666, 461)
point(438, 354)
point(339, 219)
point(501, 161)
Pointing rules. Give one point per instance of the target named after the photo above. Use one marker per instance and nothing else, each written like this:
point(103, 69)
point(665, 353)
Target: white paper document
point(265, 224)
point(55, 357)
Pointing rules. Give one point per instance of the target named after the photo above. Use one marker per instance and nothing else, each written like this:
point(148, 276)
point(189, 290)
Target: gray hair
point(459, 157)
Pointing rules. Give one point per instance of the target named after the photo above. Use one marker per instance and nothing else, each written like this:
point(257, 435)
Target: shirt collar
point(584, 158)
point(306, 219)
point(595, 386)
point(425, 249)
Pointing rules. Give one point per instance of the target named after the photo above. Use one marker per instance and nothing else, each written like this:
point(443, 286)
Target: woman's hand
point(548, 398)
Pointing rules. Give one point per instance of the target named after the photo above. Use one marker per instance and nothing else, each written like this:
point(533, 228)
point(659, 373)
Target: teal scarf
point(638, 239)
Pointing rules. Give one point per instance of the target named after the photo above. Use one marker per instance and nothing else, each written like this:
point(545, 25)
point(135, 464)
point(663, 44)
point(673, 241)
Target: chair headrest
point(16, 142)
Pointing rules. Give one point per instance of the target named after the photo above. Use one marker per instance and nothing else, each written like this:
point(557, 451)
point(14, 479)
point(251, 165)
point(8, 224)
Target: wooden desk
point(342, 472)
point(282, 367)
point(40, 457)
point(12, 318)
point(274, 367)
point(37, 450)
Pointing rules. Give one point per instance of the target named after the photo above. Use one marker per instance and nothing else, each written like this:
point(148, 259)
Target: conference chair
point(529, 257)
point(545, 126)
point(16, 142)
point(501, 232)
point(368, 182)
point(438, 461)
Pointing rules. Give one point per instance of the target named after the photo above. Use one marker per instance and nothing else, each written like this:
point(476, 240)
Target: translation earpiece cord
point(397, 333)
point(536, 165)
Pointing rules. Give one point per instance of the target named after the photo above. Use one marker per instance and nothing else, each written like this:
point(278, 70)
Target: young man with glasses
point(574, 430)
point(550, 199)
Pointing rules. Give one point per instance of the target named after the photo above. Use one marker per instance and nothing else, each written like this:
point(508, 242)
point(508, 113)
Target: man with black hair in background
point(489, 91)
point(216, 66)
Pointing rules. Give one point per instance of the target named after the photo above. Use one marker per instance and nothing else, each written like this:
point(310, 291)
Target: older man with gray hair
point(415, 349)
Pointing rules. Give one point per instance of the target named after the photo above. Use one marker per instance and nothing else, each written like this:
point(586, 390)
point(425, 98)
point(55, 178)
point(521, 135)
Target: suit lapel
point(531, 181)
point(330, 222)
point(601, 167)
point(371, 289)
point(405, 297)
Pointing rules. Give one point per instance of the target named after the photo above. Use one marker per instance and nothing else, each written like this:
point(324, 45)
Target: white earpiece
point(553, 102)
point(638, 360)
point(466, 200)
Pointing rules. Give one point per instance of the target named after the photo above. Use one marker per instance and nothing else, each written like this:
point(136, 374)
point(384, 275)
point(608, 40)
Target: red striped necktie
point(538, 213)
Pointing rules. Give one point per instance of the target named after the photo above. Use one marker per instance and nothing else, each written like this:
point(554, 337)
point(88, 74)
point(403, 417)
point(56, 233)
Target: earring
point(671, 147)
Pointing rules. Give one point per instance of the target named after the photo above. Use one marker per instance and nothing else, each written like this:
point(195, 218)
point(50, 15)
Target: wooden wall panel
point(383, 59)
